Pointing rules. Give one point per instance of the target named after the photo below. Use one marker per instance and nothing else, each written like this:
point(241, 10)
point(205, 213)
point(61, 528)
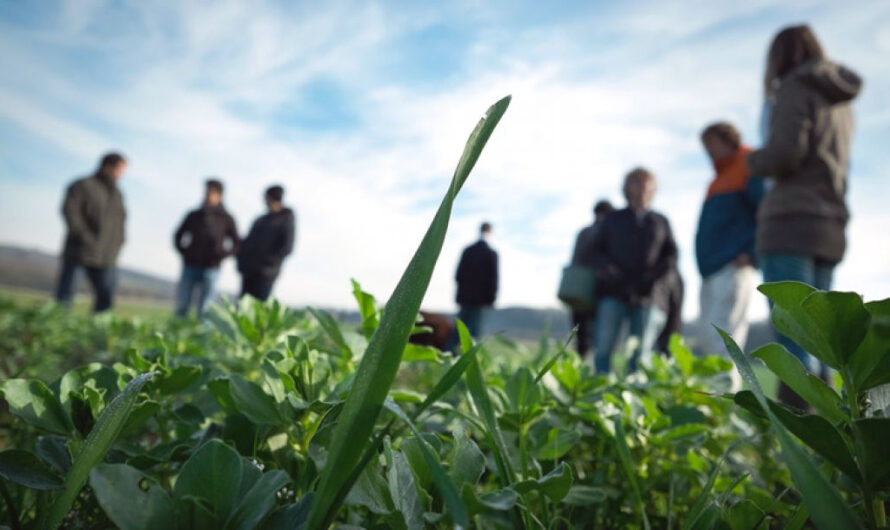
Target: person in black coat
point(477, 281)
point(206, 236)
point(270, 240)
point(633, 253)
point(583, 255)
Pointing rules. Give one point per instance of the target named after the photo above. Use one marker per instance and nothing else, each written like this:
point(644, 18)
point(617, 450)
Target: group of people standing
point(780, 208)
point(94, 213)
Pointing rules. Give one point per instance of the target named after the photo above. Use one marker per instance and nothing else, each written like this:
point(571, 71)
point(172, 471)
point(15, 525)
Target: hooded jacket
point(808, 156)
point(270, 240)
point(207, 229)
point(94, 214)
point(727, 224)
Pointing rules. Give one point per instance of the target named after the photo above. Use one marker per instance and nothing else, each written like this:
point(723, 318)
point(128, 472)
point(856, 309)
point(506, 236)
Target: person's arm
point(72, 211)
point(288, 238)
point(755, 191)
point(461, 267)
point(667, 258)
point(789, 135)
point(232, 235)
point(494, 275)
point(599, 252)
point(180, 233)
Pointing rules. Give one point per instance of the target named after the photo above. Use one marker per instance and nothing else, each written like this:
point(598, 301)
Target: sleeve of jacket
point(599, 248)
point(789, 134)
point(667, 258)
point(232, 234)
point(494, 275)
point(184, 227)
point(461, 267)
point(288, 237)
point(72, 211)
point(754, 192)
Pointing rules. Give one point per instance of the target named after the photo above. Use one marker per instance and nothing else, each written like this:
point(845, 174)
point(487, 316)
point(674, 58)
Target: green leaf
point(258, 501)
point(52, 450)
point(870, 363)
point(104, 433)
point(808, 386)
point(555, 485)
point(451, 377)
point(744, 515)
point(253, 401)
point(25, 469)
point(558, 443)
point(367, 306)
point(522, 390)
point(330, 327)
point(699, 508)
point(872, 436)
point(467, 461)
point(130, 499)
point(497, 501)
point(629, 467)
point(823, 501)
point(582, 495)
point(416, 352)
point(212, 473)
point(177, 380)
point(290, 517)
point(382, 357)
point(403, 490)
point(32, 401)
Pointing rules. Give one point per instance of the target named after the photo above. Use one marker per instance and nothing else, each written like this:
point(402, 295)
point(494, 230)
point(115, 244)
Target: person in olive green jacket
point(94, 214)
point(801, 223)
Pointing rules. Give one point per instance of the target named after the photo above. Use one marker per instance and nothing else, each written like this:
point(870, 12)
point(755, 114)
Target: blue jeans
point(645, 322)
point(472, 316)
point(101, 279)
point(202, 278)
point(806, 269)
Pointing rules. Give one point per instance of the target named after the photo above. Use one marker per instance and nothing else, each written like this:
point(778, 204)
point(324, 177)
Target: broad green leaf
point(467, 461)
point(808, 386)
point(825, 504)
point(744, 515)
point(370, 491)
point(582, 495)
point(52, 450)
point(130, 499)
point(330, 327)
point(382, 357)
point(33, 402)
point(290, 517)
point(403, 490)
point(216, 464)
point(842, 318)
point(792, 320)
point(555, 485)
point(367, 307)
point(253, 401)
point(177, 379)
point(557, 444)
point(416, 352)
point(498, 501)
point(258, 501)
point(104, 433)
point(872, 437)
point(25, 469)
point(870, 363)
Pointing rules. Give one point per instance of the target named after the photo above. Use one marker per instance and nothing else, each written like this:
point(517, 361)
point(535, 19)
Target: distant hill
point(37, 270)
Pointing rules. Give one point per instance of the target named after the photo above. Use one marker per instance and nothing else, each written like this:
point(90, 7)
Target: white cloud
point(585, 110)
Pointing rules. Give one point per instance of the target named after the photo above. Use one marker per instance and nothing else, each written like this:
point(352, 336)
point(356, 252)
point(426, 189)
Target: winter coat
point(640, 247)
point(477, 275)
point(94, 213)
point(201, 238)
point(728, 220)
point(808, 155)
point(583, 252)
point(270, 240)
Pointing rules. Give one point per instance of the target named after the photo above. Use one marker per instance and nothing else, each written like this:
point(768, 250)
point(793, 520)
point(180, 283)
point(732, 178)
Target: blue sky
point(361, 109)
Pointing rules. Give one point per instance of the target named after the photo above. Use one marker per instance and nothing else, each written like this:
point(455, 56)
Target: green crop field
point(268, 417)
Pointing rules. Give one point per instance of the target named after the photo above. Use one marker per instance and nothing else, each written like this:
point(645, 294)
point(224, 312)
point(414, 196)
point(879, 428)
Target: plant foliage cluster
point(274, 418)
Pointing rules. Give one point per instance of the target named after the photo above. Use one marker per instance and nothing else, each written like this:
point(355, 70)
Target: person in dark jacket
point(477, 281)
point(724, 241)
point(94, 214)
point(270, 240)
point(633, 253)
point(206, 236)
point(801, 231)
point(583, 255)
point(674, 319)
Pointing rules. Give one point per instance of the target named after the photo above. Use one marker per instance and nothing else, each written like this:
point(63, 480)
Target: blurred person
point(477, 281)
point(724, 240)
point(270, 240)
point(633, 253)
point(94, 215)
point(205, 238)
point(801, 224)
point(583, 255)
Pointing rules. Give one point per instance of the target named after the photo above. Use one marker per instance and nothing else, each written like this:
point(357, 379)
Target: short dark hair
point(214, 185)
point(111, 159)
point(723, 131)
point(275, 193)
point(485, 228)
point(602, 207)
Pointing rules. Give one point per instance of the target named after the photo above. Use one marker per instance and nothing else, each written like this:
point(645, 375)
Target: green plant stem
point(874, 507)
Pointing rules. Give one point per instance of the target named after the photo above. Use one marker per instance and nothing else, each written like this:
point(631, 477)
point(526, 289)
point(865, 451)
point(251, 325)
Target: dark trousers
point(256, 286)
point(101, 279)
point(584, 321)
point(471, 316)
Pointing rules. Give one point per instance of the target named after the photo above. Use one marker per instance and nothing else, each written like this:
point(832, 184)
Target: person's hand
point(743, 260)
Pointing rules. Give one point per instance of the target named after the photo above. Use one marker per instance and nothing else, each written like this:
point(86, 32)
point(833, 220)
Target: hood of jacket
point(837, 83)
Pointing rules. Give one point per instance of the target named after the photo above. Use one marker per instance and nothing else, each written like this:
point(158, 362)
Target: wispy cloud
point(361, 110)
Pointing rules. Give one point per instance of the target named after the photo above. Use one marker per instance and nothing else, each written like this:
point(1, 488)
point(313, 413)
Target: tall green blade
point(826, 506)
point(98, 442)
point(378, 367)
